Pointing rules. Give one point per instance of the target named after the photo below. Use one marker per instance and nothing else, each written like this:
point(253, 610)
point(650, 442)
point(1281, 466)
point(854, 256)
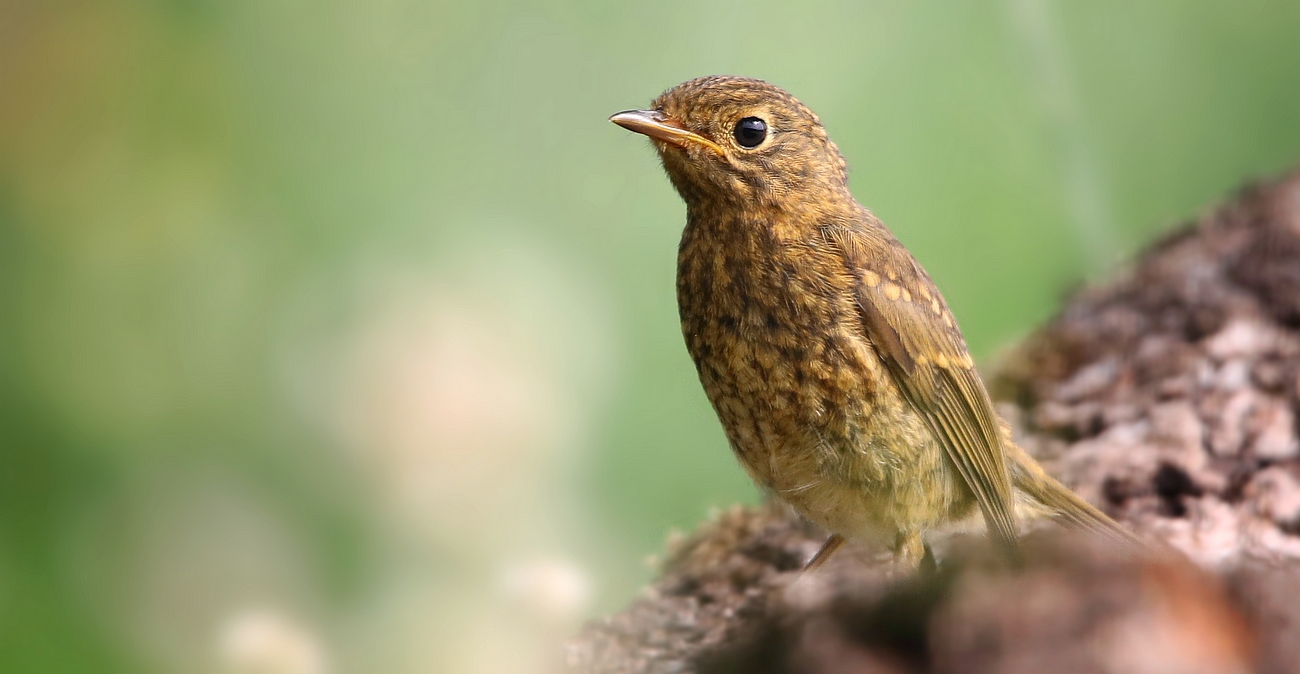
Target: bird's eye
point(750, 132)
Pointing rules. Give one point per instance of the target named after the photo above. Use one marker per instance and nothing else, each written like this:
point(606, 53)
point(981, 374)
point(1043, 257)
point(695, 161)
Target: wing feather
point(909, 325)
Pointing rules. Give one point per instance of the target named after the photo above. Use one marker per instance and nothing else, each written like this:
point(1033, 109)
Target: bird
point(839, 374)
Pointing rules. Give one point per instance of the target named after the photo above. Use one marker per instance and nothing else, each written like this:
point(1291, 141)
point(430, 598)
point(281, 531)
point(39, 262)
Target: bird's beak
point(659, 126)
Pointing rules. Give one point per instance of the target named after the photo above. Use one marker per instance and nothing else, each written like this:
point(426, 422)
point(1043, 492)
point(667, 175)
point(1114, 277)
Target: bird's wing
point(916, 337)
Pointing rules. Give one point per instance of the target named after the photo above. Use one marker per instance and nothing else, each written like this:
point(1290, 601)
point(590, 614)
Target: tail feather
point(1061, 504)
point(1069, 508)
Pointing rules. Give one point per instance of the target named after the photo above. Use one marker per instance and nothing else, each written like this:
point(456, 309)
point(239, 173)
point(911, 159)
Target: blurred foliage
point(341, 336)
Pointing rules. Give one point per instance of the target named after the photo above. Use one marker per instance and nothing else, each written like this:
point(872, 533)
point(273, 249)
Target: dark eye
point(750, 132)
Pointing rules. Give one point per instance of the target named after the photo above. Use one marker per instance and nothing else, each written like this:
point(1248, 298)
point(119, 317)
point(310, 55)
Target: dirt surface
point(1167, 396)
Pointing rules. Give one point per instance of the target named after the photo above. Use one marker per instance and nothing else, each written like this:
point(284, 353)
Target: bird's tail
point(1057, 501)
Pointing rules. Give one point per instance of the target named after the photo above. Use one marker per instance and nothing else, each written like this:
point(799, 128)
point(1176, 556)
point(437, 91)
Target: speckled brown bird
point(838, 372)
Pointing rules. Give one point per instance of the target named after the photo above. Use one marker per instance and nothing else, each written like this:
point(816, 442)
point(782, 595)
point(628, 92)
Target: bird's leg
point(828, 548)
point(929, 565)
point(910, 551)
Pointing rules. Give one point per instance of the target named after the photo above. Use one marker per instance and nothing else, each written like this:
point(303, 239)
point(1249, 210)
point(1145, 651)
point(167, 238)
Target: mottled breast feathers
point(915, 336)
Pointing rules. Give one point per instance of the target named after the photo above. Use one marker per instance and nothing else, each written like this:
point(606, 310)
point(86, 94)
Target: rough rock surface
point(1167, 396)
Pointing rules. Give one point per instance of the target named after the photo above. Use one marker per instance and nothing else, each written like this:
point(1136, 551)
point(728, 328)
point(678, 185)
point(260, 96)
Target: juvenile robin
point(838, 372)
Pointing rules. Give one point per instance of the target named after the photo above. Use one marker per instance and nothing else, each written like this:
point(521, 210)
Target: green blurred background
point(341, 336)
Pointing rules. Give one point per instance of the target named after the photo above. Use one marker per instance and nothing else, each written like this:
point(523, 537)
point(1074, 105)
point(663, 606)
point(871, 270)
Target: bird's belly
point(884, 474)
point(837, 442)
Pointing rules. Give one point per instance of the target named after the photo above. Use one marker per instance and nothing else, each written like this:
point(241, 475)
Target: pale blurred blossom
point(467, 386)
point(264, 641)
point(551, 590)
point(455, 422)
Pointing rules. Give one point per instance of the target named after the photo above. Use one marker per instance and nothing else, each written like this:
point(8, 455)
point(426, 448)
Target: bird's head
point(742, 141)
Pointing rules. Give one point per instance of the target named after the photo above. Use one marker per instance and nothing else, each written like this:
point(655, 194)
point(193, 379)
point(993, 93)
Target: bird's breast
point(773, 329)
